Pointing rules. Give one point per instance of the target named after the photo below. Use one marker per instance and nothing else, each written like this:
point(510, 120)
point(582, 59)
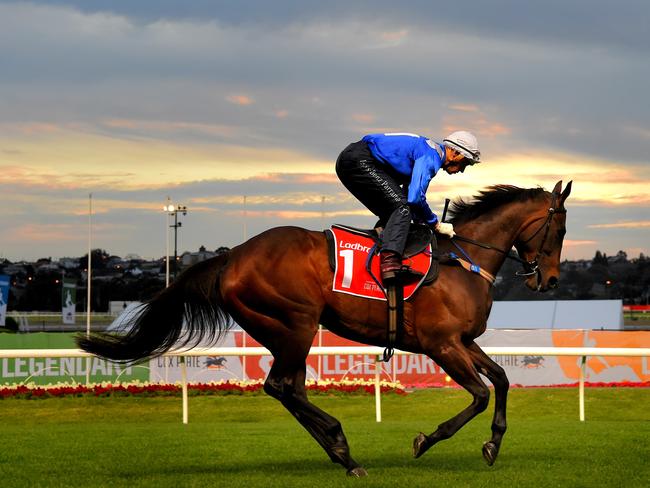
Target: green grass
point(252, 441)
point(636, 319)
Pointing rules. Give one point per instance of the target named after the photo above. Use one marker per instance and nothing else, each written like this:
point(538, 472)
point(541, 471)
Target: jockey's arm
point(424, 169)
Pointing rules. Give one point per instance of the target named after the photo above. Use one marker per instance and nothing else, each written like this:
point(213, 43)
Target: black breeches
point(376, 186)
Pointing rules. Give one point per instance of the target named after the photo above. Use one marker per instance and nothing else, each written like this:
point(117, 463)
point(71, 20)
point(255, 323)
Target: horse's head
point(540, 241)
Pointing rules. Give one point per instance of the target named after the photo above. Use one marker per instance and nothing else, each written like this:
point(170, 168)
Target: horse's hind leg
point(286, 382)
point(458, 364)
point(497, 376)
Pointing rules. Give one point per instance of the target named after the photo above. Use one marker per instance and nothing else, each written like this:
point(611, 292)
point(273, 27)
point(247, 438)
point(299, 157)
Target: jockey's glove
point(445, 228)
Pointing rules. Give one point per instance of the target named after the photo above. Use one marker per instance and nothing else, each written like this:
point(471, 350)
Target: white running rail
point(582, 352)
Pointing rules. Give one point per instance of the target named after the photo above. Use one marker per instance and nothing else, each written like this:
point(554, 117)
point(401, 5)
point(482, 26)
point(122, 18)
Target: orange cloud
point(363, 118)
point(591, 184)
point(49, 233)
point(622, 225)
point(493, 129)
point(469, 117)
point(571, 243)
point(18, 176)
point(609, 199)
point(296, 177)
point(256, 201)
point(395, 36)
point(318, 178)
point(299, 214)
point(103, 206)
point(462, 107)
point(86, 160)
point(165, 126)
point(30, 128)
point(44, 233)
point(240, 99)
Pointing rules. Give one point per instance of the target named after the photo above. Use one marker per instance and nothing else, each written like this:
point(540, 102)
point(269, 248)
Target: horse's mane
point(490, 199)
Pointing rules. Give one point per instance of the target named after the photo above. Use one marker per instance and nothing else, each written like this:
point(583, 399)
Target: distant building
point(191, 258)
point(68, 263)
point(15, 268)
point(46, 267)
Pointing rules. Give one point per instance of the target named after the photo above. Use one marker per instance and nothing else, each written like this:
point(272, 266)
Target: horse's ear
point(566, 193)
point(558, 188)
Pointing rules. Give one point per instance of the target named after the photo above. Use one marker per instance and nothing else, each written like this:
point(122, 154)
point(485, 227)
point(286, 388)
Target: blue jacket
point(415, 157)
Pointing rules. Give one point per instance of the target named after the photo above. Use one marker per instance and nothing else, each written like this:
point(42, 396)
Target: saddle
point(419, 238)
point(421, 250)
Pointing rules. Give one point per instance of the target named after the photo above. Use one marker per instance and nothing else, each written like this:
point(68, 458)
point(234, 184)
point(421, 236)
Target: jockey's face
point(455, 163)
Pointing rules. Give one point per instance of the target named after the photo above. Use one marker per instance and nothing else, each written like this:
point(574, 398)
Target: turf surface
point(252, 441)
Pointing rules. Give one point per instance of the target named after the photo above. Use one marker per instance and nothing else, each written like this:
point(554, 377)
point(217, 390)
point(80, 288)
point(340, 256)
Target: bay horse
point(278, 287)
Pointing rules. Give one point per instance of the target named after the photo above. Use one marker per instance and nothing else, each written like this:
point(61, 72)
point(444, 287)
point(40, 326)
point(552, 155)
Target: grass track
point(251, 441)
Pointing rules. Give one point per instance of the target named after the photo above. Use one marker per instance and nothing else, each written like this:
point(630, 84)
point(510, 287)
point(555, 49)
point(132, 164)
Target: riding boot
point(391, 268)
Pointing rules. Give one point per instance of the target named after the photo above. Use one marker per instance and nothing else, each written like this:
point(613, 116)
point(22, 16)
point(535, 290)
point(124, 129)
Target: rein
point(530, 267)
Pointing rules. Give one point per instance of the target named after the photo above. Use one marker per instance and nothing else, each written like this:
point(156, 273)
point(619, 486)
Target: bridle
point(530, 267)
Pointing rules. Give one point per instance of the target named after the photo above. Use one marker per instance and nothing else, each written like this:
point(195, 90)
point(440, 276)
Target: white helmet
point(465, 143)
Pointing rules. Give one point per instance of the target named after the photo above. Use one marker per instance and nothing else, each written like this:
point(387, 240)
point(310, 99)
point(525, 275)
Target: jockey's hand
point(419, 221)
point(445, 228)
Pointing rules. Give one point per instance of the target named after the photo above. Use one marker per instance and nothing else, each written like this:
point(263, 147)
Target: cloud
point(29, 128)
point(642, 132)
point(240, 99)
point(165, 127)
point(45, 233)
point(470, 117)
point(395, 37)
point(124, 60)
point(81, 160)
point(622, 225)
point(574, 243)
point(296, 215)
point(210, 101)
point(460, 107)
point(572, 25)
point(363, 118)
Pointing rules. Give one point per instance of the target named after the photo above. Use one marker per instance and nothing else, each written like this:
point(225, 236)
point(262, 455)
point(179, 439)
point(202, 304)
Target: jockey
point(390, 173)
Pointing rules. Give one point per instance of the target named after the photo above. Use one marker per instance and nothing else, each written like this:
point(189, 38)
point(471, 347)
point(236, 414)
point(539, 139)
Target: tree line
point(602, 277)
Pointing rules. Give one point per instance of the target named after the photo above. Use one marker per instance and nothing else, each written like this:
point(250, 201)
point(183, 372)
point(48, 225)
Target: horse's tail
point(193, 300)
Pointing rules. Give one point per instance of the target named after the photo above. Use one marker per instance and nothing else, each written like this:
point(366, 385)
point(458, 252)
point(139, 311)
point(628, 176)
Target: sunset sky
point(210, 101)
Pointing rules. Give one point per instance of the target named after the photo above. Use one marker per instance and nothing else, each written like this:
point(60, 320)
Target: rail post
point(184, 389)
point(377, 388)
point(583, 362)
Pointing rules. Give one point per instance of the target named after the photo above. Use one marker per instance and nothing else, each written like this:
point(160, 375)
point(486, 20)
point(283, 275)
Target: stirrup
point(404, 275)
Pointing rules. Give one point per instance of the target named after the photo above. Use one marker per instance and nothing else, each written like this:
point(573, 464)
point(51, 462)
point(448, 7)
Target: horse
point(278, 287)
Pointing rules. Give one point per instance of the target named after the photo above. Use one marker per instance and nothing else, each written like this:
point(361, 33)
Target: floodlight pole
point(177, 224)
point(171, 209)
point(167, 210)
point(89, 278)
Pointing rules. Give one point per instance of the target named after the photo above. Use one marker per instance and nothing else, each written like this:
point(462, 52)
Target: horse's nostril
point(553, 282)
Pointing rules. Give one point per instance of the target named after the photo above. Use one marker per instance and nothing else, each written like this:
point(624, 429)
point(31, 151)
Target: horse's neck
point(498, 229)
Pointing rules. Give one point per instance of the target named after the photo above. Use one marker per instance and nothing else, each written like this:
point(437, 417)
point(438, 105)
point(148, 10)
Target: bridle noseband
point(530, 267)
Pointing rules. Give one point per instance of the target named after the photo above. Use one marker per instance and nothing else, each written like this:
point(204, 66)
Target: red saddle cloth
point(350, 274)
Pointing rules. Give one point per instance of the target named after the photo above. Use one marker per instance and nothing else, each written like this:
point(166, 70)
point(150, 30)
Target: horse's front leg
point(497, 376)
point(457, 362)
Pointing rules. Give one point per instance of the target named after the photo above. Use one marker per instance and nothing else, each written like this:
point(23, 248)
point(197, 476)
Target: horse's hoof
point(420, 445)
point(490, 451)
point(357, 472)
